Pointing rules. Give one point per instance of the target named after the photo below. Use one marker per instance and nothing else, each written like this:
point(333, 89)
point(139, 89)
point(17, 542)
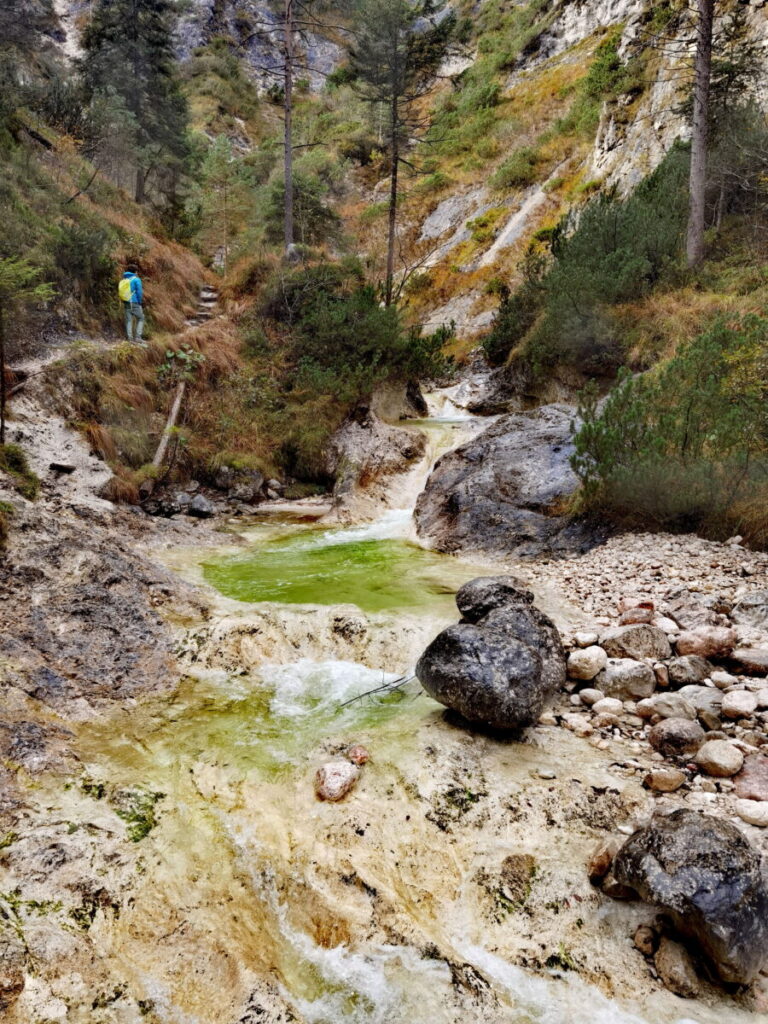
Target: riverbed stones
point(586, 663)
point(752, 781)
point(626, 679)
point(703, 873)
point(739, 704)
point(666, 705)
point(719, 758)
point(590, 696)
point(335, 779)
point(676, 737)
point(201, 508)
point(636, 641)
point(752, 610)
point(499, 665)
point(608, 706)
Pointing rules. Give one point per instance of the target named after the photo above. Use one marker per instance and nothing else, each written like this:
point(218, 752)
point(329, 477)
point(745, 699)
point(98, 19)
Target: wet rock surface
point(706, 876)
point(499, 665)
point(501, 491)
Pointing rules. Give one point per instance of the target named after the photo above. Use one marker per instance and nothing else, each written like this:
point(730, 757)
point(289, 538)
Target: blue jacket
point(137, 292)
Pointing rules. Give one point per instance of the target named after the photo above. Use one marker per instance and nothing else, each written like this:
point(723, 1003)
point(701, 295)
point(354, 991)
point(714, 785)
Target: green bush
point(684, 446)
point(518, 170)
point(314, 221)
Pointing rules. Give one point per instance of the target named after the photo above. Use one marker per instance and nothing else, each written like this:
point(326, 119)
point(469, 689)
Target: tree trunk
point(3, 382)
point(390, 278)
point(288, 137)
point(141, 179)
point(170, 424)
point(698, 178)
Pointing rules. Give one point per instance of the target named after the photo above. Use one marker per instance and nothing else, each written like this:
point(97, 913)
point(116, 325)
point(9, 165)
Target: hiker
point(131, 293)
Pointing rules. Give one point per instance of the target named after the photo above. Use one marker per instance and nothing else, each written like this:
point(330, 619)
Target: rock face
point(503, 660)
point(705, 875)
point(501, 491)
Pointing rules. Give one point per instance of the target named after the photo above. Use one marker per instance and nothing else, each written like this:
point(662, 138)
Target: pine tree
point(699, 133)
point(397, 49)
point(128, 48)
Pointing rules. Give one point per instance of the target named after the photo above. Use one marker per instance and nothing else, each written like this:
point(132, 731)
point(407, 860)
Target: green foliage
point(314, 221)
point(684, 446)
point(610, 251)
point(179, 365)
point(518, 310)
point(13, 461)
point(83, 261)
point(518, 170)
point(137, 808)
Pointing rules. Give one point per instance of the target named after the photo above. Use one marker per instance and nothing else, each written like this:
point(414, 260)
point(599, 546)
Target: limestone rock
point(752, 610)
point(751, 661)
point(645, 940)
point(335, 779)
point(586, 663)
point(496, 493)
point(754, 812)
point(638, 641)
point(703, 873)
point(688, 669)
point(608, 706)
point(501, 663)
point(667, 705)
point(703, 698)
point(664, 780)
point(675, 969)
point(720, 758)
point(752, 780)
point(674, 737)
point(625, 678)
point(707, 642)
point(590, 697)
point(739, 704)
point(602, 858)
point(201, 508)
point(585, 639)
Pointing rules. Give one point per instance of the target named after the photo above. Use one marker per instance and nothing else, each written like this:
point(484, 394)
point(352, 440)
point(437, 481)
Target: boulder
point(751, 661)
point(707, 642)
point(589, 696)
point(201, 508)
point(636, 641)
point(675, 737)
point(703, 698)
point(626, 679)
point(608, 706)
point(586, 663)
point(675, 969)
point(752, 610)
point(752, 780)
point(719, 758)
point(499, 665)
point(739, 704)
point(704, 874)
point(335, 779)
point(499, 492)
point(693, 610)
point(688, 669)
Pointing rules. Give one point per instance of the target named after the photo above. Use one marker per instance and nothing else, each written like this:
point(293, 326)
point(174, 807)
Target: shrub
point(13, 461)
point(518, 170)
point(684, 446)
point(314, 221)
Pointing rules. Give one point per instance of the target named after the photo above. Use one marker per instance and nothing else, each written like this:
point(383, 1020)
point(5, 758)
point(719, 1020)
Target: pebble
point(645, 940)
point(335, 779)
point(673, 736)
point(586, 662)
point(546, 773)
point(723, 679)
point(358, 754)
point(675, 969)
point(591, 696)
point(608, 706)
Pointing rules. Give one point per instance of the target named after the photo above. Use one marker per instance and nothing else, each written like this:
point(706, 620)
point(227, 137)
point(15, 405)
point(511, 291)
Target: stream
point(362, 912)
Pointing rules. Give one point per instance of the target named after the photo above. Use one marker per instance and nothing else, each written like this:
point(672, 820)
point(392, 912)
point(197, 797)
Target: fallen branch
point(170, 424)
point(395, 686)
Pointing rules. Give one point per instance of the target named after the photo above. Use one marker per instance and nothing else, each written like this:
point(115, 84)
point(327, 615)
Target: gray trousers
point(134, 320)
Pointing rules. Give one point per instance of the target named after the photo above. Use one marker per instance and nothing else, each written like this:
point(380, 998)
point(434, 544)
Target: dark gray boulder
point(201, 508)
point(498, 666)
point(704, 874)
point(504, 491)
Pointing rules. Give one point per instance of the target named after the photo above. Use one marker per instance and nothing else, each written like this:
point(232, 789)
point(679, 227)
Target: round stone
point(739, 704)
point(720, 758)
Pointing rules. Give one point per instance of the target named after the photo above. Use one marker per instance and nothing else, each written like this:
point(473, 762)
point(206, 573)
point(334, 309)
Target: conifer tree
point(398, 47)
point(128, 48)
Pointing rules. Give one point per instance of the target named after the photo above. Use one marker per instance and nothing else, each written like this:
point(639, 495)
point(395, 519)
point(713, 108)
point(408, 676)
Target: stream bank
point(165, 858)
